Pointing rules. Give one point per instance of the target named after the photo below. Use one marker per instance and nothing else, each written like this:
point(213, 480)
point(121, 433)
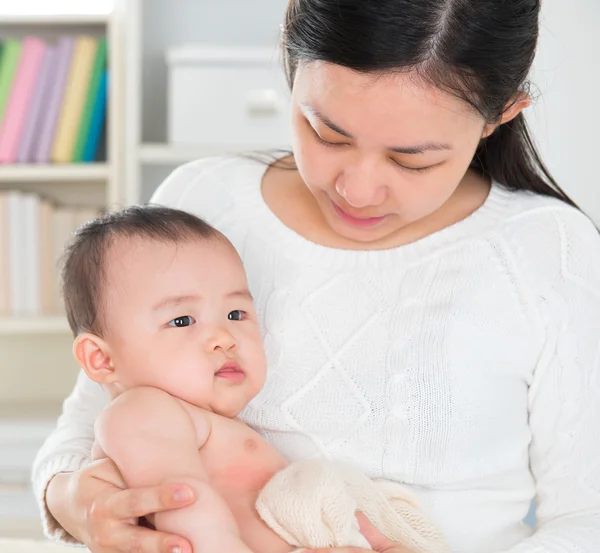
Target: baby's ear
point(93, 355)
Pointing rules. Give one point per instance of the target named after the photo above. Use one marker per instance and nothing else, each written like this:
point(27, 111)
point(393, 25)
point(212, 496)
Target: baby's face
point(181, 318)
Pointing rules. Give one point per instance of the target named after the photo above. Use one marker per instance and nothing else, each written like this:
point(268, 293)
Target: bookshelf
point(89, 172)
point(96, 184)
point(33, 326)
point(54, 19)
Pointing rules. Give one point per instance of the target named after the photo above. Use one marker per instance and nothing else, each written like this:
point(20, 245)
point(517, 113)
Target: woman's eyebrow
point(409, 150)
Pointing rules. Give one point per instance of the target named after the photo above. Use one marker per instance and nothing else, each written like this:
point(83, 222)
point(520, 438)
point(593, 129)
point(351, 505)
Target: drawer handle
point(263, 102)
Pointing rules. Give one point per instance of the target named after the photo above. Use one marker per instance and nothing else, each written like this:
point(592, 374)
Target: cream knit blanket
point(313, 503)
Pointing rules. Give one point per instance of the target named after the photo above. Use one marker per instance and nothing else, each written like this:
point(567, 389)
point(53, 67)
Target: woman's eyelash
point(339, 144)
point(413, 169)
point(325, 142)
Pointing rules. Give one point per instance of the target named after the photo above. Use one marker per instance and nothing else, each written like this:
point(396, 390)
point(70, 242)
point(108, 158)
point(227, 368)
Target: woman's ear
point(93, 355)
point(512, 109)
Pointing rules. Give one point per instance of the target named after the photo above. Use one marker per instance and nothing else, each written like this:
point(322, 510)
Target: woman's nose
point(360, 185)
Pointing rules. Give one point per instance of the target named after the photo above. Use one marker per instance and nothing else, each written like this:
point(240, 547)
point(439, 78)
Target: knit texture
point(465, 365)
point(314, 503)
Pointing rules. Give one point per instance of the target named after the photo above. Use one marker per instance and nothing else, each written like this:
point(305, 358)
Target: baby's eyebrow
point(245, 294)
point(174, 301)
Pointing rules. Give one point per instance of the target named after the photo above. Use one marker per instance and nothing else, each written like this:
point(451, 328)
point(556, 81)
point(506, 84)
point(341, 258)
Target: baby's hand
point(378, 541)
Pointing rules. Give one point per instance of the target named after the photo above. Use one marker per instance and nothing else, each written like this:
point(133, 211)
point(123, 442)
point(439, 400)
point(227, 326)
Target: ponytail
point(509, 156)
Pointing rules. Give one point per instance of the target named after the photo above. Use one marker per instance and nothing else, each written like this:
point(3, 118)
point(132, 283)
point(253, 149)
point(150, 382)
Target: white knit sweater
point(466, 365)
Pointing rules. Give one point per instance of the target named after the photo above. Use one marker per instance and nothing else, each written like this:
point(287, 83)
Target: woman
point(429, 297)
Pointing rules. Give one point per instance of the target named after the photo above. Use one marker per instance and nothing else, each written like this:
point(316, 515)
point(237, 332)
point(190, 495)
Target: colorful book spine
point(20, 98)
point(55, 99)
point(78, 83)
point(93, 138)
point(91, 101)
point(35, 117)
point(11, 54)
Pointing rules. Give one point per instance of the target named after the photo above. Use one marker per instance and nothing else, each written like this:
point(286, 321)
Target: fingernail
point(182, 495)
point(176, 549)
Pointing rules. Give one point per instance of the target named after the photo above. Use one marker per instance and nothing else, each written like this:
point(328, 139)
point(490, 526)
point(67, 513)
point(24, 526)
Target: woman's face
point(378, 153)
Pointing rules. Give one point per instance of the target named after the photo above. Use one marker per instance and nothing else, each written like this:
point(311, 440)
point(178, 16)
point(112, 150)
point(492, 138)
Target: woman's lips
point(360, 222)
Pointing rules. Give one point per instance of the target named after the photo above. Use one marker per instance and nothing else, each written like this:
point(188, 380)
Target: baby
point(159, 305)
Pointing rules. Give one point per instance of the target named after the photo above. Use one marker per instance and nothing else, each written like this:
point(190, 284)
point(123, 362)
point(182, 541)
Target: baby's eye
point(181, 322)
point(237, 315)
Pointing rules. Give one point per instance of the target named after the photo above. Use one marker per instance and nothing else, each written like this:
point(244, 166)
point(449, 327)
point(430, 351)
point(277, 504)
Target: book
point(35, 117)
point(30, 231)
point(63, 225)
point(78, 81)
point(91, 100)
point(101, 152)
point(32, 54)
point(46, 257)
point(98, 120)
point(11, 52)
point(55, 100)
point(15, 208)
point(4, 261)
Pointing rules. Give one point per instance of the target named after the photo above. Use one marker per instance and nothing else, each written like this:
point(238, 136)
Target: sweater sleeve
point(560, 259)
point(68, 448)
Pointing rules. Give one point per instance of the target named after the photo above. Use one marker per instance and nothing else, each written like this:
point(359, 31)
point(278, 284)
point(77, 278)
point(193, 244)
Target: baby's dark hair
point(84, 271)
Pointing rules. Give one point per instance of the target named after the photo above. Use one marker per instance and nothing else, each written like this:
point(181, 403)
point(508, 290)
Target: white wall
point(212, 22)
point(566, 117)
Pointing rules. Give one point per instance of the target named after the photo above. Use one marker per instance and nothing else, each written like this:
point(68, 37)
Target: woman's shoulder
point(529, 212)
point(207, 186)
point(549, 238)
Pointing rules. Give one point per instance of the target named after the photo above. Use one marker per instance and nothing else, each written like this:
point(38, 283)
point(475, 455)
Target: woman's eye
point(330, 144)
point(326, 142)
point(237, 315)
point(181, 322)
point(412, 169)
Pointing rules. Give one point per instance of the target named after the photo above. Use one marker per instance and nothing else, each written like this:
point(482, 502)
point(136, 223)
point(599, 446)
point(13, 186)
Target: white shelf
point(166, 154)
point(33, 325)
point(92, 172)
point(51, 19)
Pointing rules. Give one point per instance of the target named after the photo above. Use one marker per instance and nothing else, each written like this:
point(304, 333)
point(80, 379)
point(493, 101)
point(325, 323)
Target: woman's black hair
point(479, 50)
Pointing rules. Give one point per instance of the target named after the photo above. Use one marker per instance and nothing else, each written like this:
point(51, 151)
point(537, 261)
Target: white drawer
point(227, 98)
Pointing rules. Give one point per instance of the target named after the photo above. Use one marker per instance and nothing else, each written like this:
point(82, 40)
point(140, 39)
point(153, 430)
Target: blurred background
point(100, 100)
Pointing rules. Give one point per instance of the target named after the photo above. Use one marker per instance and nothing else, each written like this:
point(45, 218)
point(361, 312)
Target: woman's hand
point(94, 505)
point(378, 541)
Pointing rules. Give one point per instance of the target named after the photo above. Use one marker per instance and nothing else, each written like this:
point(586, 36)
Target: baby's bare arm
point(153, 440)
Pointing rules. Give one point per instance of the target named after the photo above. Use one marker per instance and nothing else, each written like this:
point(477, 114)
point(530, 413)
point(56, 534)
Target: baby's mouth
point(231, 371)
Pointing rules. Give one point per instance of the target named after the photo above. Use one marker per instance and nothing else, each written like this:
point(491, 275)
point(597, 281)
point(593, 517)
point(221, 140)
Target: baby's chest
point(238, 460)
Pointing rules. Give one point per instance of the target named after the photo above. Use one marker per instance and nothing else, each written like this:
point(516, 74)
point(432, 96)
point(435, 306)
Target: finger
point(135, 539)
point(139, 502)
point(378, 541)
